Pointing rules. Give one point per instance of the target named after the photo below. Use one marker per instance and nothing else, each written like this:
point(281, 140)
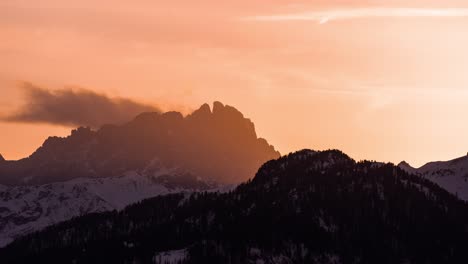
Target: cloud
point(323, 17)
point(74, 107)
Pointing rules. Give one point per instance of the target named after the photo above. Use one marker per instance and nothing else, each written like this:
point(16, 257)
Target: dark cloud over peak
point(74, 107)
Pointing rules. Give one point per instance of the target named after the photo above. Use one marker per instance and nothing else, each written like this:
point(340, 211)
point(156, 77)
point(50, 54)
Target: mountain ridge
point(207, 143)
point(451, 175)
point(25, 209)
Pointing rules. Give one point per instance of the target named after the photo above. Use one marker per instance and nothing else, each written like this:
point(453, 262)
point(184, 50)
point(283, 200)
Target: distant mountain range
point(306, 207)
point(451, 175)
point(108, 169)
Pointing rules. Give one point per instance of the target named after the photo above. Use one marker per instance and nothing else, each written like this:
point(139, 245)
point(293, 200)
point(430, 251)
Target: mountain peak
point(304, 158)
point(201, 113)
point(217, 107)
point(205, 108)
point(404, 164)
point(1, 158)
point(330, 155)
point(226, 111)
point(406, 167)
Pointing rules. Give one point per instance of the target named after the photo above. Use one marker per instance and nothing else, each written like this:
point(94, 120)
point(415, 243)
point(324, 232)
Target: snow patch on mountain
point(451, 175)
point(25, 209)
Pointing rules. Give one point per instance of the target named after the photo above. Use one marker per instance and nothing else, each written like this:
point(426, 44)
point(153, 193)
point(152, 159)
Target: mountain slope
point(307, 207)
point(24, 209)
point(219, 145)
point(451, 175)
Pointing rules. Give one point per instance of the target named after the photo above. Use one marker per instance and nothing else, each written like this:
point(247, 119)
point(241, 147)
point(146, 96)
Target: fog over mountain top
point(219, 145)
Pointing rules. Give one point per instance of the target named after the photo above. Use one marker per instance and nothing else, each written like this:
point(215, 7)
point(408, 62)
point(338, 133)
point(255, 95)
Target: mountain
point(451, 175)
point(108, 169)
point(306, 207)
point(25, 209)
point(219, 145)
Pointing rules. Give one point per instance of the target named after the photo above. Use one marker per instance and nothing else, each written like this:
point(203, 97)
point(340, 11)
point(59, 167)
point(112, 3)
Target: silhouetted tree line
point(306, 207)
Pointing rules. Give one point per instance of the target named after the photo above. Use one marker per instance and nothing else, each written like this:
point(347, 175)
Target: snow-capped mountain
point(24, 209)
point(451, 175)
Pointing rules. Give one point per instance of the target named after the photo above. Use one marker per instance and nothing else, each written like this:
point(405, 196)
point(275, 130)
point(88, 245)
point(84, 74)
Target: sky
point(380, 80)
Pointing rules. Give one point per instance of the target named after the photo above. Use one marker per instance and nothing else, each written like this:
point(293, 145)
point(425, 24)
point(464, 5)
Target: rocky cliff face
point(218, 145)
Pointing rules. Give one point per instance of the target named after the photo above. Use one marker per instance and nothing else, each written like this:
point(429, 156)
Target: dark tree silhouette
point(307, 207)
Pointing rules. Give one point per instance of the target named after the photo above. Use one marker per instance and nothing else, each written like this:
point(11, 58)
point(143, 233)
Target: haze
point(381, 80)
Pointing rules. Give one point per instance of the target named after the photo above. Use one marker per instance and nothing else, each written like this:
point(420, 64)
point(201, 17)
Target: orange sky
point(383, 82)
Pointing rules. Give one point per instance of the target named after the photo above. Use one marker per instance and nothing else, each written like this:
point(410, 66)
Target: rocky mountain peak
point(226, 111)
point(201, 115)
point(218, 107)
point(204, 109)
point(219, 145)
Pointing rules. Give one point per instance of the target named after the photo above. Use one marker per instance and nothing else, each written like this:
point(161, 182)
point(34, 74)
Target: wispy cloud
point(326, 16)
